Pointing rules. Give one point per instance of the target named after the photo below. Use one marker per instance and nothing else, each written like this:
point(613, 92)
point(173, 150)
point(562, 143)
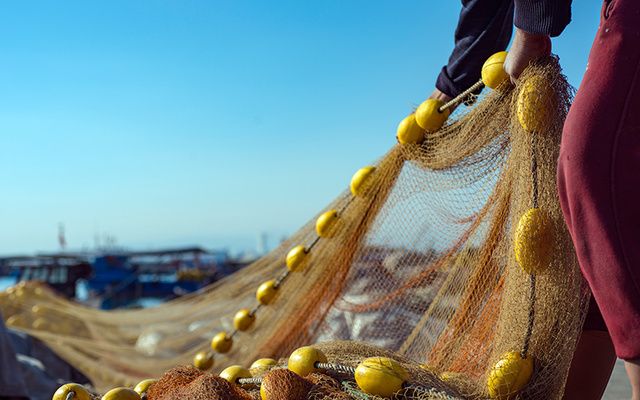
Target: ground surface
point(618, 388)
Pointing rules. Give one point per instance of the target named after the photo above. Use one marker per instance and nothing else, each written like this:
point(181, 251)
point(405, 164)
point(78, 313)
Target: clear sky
point(180, 122)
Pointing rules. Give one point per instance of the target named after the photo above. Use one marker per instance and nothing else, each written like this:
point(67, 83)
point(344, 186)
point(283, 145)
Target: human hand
point(526, 47)
point(438, 95)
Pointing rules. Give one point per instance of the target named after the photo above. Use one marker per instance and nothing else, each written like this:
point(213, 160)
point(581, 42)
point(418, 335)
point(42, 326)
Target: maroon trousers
point(599, 173)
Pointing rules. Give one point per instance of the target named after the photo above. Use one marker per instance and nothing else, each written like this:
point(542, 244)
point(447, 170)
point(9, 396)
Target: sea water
point(6, 281)
point(82, 293)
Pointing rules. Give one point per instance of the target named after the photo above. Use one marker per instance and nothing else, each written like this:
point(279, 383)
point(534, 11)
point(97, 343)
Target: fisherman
point(599, 166)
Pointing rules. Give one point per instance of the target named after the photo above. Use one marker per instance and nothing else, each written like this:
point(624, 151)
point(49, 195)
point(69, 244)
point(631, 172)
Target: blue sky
point(170, 123)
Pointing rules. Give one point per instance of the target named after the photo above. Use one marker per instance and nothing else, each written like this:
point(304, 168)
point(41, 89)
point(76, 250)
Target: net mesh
point(421, 269)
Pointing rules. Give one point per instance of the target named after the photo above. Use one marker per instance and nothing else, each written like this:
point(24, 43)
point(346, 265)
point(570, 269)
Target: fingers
point(438, 95)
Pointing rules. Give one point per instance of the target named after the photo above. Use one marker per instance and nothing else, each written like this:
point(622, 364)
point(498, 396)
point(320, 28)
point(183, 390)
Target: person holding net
point(598, 183)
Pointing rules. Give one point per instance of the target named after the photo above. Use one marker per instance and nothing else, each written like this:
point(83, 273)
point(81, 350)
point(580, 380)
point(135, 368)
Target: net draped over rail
point(421, 268)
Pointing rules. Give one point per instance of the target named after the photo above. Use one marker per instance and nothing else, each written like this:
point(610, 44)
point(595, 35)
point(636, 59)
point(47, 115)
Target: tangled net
point(420, 266)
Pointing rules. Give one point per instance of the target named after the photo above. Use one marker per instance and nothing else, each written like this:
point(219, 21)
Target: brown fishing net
point(421, 268)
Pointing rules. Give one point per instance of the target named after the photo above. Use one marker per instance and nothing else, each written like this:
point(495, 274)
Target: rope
point(343, 369)
point(344, 207)
point(255, 309)
point(432, 393)
point(462, 96)
point(250, 381)
point(348, 370)
point(281, 279)
point(532, 277)
point(532, 314)
point(534, 170)
point(315, 241)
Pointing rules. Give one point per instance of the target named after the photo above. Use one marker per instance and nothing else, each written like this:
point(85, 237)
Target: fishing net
point(420, 267)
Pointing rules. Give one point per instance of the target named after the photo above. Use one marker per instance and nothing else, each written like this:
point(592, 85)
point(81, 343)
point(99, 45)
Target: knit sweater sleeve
point(546, 17)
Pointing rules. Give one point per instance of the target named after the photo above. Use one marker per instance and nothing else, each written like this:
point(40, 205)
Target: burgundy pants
point(599, 173)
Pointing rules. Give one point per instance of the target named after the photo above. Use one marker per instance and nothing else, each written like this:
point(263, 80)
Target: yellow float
point(266, 292)
point(509, 376)
point(203, 360)
point(221, 343)
point(79, 392)
point(233, 373)
point(326, 224)
point(297, 258)
point(263, 364)
point(493, 73)
point(243, 320)
point(303, 360)
point(409, 132)
point(380, 376)
point(428, 116)
point(143, 386)
point(121, 393)
point(361, 180)
point(535, 105)
point(534, 241)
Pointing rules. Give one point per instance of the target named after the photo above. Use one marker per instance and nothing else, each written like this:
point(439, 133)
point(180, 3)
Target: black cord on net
point(532, 277)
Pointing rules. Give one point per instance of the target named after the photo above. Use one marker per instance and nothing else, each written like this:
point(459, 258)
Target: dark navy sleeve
point(545, 17)
point(484, 28)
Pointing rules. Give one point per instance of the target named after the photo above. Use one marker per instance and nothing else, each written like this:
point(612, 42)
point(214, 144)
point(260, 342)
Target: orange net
point(421, 266)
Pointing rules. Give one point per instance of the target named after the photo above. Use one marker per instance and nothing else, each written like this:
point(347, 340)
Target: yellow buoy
point(40, 310)
point(203, 360)
point(326, 224)
point(303, 360)
point(409, 132)
point(233, 373)
point(297, 258)
point(16, 320)
point(243, 320)
point(535, 104)
point(21, 292)
point(380, 376)
point(534, 241)
point(143, 386)
point(263, 364)
point(362, 180)
point(221, 343)
point(509, 376)
point(493, 73)
point(79, 392)
point(428, 117)
point(266, 292)
point(41, 324)
point(121, 393)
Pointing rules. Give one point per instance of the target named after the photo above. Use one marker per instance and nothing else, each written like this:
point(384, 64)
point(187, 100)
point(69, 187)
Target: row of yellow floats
point(378, 375)
point(65, 391)
point(296, 260)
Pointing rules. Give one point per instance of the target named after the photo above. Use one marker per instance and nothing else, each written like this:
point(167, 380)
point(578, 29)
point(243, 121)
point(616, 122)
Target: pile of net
point(420, 267)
